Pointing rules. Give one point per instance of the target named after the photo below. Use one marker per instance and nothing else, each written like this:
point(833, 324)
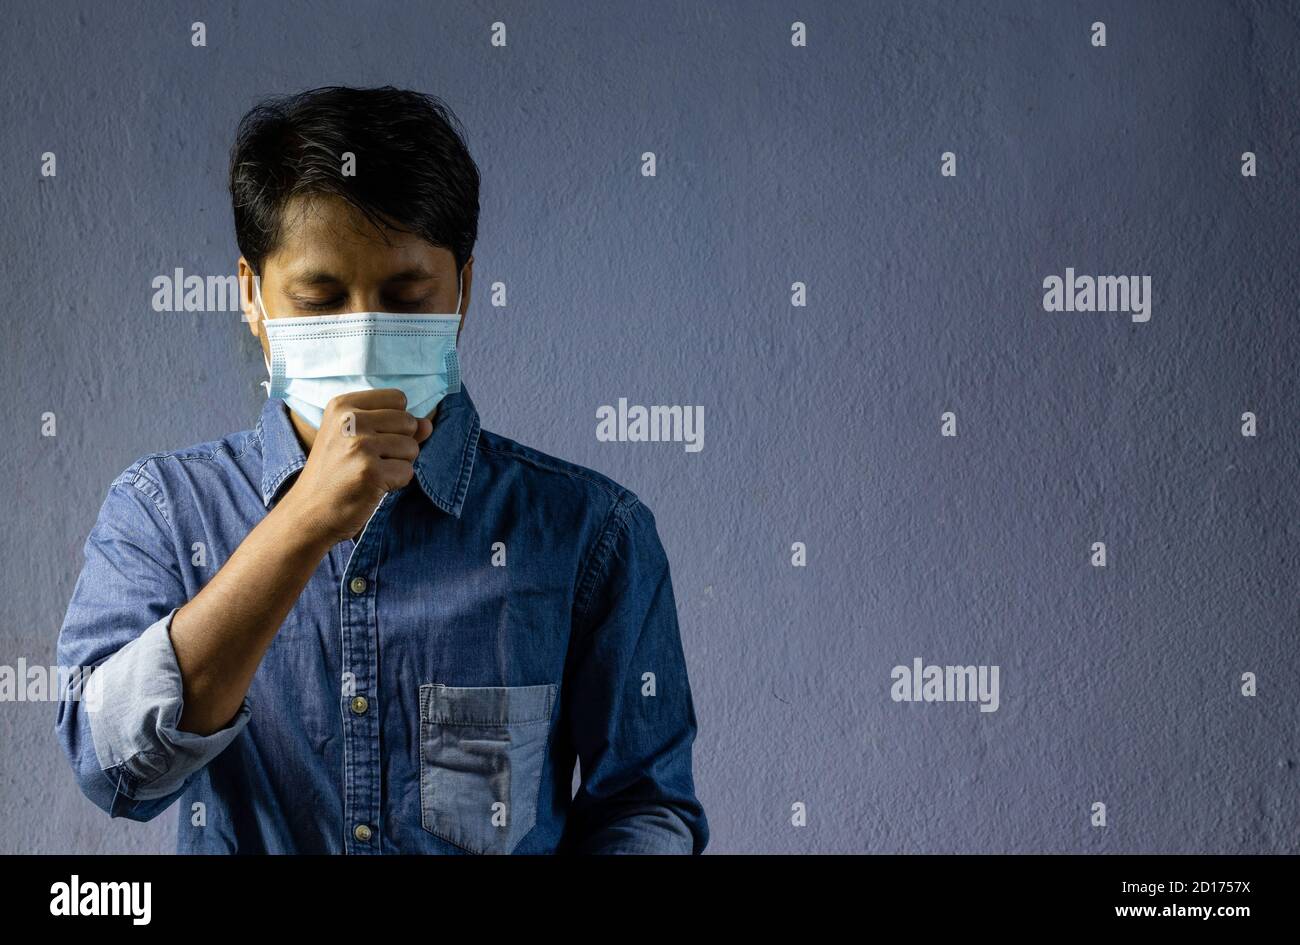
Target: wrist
point(303, 525)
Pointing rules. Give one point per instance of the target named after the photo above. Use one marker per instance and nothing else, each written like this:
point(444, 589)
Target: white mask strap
point(257, 291)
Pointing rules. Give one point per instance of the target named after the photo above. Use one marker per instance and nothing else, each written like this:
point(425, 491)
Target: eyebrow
point(319, 277)
point(414, 274)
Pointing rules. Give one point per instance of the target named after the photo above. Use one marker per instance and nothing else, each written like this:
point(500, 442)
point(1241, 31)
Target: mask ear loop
point(452, 360)
point(257, 290)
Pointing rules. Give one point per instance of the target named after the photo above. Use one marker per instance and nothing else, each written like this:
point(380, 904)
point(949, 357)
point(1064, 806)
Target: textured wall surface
point(776, 164)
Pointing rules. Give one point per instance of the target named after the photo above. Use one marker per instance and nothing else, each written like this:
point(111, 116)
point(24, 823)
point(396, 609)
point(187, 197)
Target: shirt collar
point(443, 467)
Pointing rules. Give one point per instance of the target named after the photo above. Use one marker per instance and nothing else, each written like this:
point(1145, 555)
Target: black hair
point(413, 171)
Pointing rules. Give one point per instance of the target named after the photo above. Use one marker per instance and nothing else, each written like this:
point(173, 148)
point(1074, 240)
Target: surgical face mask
point(317, 357)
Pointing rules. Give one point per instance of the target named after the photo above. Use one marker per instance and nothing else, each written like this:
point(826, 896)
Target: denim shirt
point(503, 615)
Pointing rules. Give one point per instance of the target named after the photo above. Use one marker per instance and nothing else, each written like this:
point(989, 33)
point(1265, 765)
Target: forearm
point(221, 635)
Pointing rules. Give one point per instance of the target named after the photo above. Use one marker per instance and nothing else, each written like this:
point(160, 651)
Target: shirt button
point(362, 833)
point(359, 705)
point(358, 585)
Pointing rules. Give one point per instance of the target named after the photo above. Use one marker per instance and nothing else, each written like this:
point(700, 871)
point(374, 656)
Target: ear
point(249, 312)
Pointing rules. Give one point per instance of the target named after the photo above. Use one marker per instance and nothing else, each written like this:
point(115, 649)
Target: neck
point(306, 432)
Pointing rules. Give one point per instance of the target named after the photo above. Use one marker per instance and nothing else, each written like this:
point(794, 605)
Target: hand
point(366, 446)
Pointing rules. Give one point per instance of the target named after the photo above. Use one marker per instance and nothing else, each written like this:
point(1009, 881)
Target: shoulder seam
point(618, 492)
point(133, 475)
point(597, 560)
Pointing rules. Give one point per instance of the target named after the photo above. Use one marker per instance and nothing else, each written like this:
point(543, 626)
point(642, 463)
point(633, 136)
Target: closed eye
point(335, 303)
point(409, 305)
point(314, 305)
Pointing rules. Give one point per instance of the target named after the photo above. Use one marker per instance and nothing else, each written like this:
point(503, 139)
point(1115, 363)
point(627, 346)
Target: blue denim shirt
point(503, 615)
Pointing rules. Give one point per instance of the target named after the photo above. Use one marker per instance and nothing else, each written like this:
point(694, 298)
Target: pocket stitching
point(426, 692)
point(545, 716)
point(537, 785)
point(423, 765)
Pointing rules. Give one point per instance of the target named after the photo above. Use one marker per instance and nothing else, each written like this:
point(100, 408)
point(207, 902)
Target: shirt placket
point(360, 705)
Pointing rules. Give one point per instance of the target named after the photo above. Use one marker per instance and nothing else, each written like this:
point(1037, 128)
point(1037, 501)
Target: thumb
point(423, 430)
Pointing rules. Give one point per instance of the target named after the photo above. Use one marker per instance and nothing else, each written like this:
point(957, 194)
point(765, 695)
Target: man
point(369, 625)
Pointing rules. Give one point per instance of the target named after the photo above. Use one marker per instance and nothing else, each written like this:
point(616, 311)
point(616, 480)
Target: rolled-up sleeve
point(630, 713)
point(119, 713)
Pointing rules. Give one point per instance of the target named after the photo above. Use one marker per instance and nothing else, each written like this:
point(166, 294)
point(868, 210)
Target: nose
point(365, 299)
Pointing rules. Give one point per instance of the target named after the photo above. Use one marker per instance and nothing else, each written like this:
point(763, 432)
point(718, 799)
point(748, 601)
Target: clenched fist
point(366, 446)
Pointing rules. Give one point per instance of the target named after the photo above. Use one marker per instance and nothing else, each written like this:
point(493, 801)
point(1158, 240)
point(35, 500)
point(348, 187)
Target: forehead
point(327, 234)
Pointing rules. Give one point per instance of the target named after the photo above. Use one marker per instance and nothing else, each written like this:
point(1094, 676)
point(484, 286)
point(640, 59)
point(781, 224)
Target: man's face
point(332, 261)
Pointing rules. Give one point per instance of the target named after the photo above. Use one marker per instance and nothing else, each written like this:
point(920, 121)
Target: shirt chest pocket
point(482, 750)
